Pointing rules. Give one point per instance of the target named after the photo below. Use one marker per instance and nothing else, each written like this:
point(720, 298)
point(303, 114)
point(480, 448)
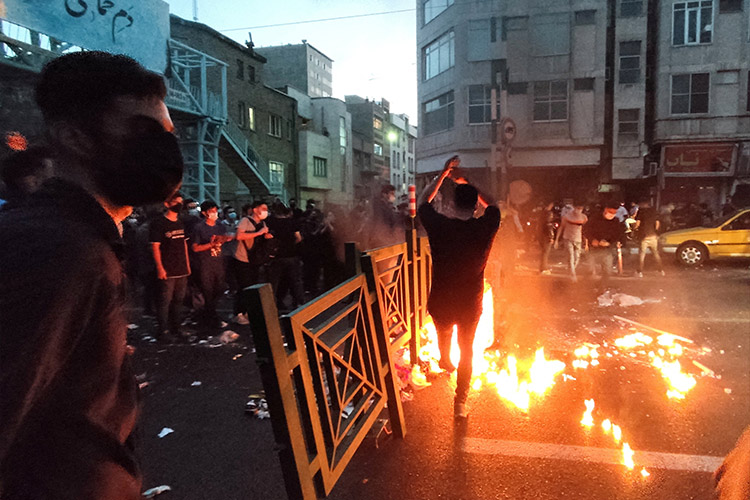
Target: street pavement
point(217, 451)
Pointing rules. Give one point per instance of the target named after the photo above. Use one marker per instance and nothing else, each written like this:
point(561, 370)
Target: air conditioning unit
point(652, 168)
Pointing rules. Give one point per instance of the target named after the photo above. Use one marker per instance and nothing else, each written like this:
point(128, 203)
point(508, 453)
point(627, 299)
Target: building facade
point(258, 145)
point(635, 97)
point(401, 137)
point(371, 149)
point(325, 150)
point(302, 66)
point(541, 64)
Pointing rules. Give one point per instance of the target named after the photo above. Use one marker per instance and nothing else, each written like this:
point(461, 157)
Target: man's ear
point(72, 139)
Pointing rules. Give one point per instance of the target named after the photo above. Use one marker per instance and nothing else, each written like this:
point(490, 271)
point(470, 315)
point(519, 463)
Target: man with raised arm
point(460, 246)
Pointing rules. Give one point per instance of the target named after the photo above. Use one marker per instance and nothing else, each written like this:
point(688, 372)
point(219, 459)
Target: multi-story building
point(542, 64)
point(258, 143)
point(701, 136)
point(401, 137)
point(302, 66)
point(325, 150)
point(634, 96)
point(371, 148)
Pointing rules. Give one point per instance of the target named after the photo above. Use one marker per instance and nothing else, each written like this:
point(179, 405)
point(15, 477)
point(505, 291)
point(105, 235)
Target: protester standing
point(207, 240)
point(285, 270)
point(605, 234)
point(546, 236)
point(170, 251)
point(460, 247)
point(647, 227)
point(249, 255)
point(68, 396)
point(571, 232)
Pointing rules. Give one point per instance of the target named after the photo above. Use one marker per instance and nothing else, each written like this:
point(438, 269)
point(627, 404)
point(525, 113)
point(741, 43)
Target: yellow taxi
point(694, 246)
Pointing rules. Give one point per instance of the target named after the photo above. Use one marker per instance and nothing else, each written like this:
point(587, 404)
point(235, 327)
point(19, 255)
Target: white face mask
point(213, 215)
point(263, 214)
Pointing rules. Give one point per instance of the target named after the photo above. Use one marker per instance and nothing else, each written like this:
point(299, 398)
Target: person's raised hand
point(458, 176)
point(453, 162)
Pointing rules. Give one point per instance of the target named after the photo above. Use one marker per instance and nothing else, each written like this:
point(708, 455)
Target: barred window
point(320, 167)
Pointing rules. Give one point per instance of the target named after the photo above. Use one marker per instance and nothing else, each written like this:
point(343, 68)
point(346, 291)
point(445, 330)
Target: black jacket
point(68, 396)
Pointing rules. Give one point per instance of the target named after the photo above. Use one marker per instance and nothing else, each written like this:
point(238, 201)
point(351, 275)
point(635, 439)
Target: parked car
point(692, 247)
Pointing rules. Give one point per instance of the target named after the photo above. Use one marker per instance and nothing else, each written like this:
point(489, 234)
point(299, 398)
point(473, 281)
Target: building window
point(519, 23)
point(438, 113)
point(692, 22)
point(275, 124)
point(342, 135)
point(630, 62)
point(377, 123)
point(433, 8)
point(377, 149)
point(480, 104)
point(631, 8)
point(240, 69)
point(242, 115)
point(550, 101)
point(439, 56)
point(289, 130)
point(730, 6)
point(251, 74)
point(320, 167)
point(690, 93)
point(583, 84)
point(251, 118)
point(276, 177)
point(628, 122)
point(584, 17)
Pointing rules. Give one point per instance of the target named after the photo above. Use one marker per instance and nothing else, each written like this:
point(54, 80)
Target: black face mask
point(176, 207)
point(141, 168)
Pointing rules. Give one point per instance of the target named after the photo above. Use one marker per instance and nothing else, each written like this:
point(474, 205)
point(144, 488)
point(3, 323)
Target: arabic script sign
point(699, 159)
point(138, 28)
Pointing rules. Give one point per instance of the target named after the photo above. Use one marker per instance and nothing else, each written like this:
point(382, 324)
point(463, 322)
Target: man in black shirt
point(460, 247)
point(207, 239)
point(68, 396)
point(285, 271)
point(647, 228)
point(605, 234)
point(170, 251)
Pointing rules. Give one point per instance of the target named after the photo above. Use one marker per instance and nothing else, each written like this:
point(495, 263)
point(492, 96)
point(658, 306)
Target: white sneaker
point(241, 319)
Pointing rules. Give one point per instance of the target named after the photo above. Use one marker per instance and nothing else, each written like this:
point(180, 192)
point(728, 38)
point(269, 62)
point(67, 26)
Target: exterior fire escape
point(197, 100)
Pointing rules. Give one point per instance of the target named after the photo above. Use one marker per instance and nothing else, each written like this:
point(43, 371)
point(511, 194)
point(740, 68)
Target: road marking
point(648, 459)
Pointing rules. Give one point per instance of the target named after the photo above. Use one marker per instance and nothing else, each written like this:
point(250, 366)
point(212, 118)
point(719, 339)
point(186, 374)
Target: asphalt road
point(217, 451)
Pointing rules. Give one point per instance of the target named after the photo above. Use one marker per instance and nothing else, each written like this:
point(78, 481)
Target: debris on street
point(165, 432)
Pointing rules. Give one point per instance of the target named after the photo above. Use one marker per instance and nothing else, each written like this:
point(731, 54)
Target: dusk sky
point(373, 56)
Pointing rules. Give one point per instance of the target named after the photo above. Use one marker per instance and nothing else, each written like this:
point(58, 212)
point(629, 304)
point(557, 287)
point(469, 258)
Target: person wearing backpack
point(250, 255)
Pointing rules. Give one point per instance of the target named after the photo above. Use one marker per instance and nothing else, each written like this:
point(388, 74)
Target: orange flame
point(588, 419)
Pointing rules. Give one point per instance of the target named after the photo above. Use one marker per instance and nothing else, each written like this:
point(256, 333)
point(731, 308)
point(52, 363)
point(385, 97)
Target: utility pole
point(195, 10)
point(493, 143)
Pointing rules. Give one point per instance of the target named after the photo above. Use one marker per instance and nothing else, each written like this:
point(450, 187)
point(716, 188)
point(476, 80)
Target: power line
point(321, 20)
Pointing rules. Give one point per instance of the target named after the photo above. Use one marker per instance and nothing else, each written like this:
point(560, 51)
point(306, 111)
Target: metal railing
point(242, 145)
point(328, 367)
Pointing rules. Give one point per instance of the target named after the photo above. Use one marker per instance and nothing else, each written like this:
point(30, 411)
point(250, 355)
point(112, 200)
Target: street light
point(392, 136)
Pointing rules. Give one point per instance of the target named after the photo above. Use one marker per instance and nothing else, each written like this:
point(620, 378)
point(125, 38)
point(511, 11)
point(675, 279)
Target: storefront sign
point(698, 160)
point(139, 29)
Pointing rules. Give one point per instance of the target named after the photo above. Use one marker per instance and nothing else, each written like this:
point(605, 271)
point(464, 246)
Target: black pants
point(246, 275)
point(544, 261)
point(169, 297)
point(286, 276)
point(466, 318)
point(212, 284)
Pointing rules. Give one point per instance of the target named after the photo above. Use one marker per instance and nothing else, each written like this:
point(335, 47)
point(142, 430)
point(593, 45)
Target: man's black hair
point(81, 86)
point(388, 188)
point(466, 197)
point(208, 205)
point(612, 205)
point(22, 164)
point(258, 203)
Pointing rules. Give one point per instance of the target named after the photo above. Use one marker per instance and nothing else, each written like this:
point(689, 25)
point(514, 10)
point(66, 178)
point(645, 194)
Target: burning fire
point(514, 381)
point(607, 427)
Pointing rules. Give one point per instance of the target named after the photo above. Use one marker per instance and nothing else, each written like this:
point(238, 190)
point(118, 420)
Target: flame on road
point(515, 381)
